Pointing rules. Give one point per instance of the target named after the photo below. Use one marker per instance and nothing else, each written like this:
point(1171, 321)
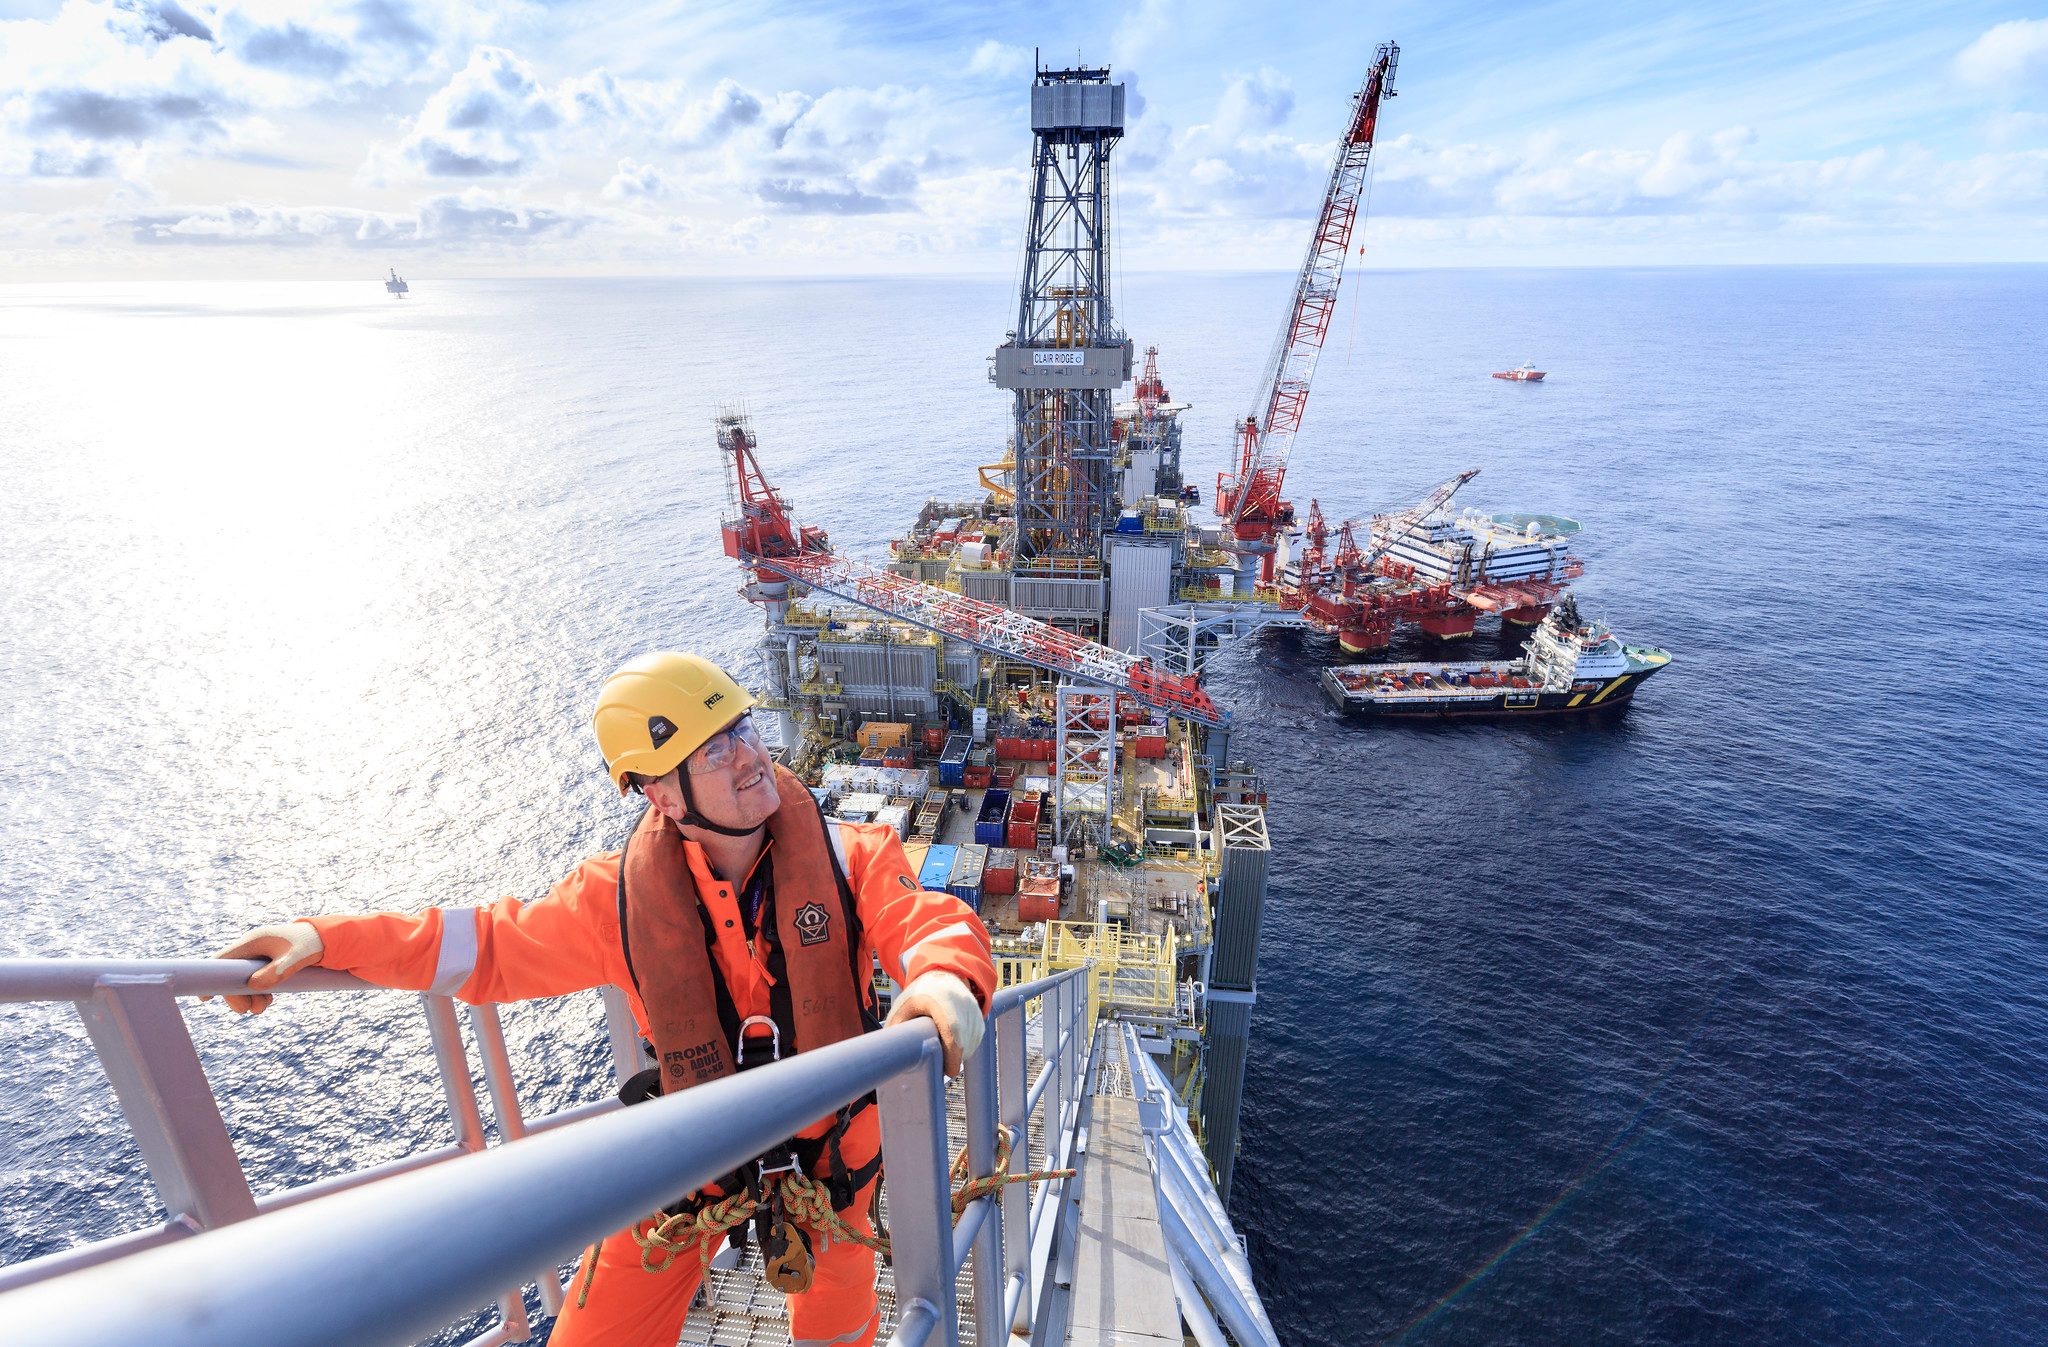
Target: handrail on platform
point(418, 1244)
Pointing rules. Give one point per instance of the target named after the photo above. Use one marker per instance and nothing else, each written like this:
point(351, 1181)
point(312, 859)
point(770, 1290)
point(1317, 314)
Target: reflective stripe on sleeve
point(957, 928)
point(458, 950)
point(835, 834)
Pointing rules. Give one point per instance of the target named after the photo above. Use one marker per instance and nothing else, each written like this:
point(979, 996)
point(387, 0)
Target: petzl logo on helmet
point(660, 729)
point(713, 700)
point(813, 926)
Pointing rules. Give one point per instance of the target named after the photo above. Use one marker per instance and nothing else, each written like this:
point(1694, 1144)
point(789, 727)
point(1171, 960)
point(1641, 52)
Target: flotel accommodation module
point(981, 692)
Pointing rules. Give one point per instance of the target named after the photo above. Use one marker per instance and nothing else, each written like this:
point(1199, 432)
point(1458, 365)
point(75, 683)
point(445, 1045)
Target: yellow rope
point(809, 1204)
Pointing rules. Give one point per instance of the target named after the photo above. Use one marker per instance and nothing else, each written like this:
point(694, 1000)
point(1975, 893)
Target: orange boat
point(1524, 374)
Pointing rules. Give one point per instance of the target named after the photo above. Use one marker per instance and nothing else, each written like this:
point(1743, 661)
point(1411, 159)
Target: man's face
point(741, 793)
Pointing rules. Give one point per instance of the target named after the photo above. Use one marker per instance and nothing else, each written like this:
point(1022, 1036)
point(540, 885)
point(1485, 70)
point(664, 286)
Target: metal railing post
point(140, 1036)
point(982, 1121)
point(1013, 1066)
point(467, 1115)
point(917, 1157)
point(497, 1058)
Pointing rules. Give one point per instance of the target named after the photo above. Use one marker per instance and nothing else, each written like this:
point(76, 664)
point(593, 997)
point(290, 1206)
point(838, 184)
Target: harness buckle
point(739, 1044)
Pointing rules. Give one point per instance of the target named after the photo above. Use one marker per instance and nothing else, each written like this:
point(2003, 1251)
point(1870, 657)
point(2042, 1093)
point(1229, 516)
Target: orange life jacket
point(820, 994)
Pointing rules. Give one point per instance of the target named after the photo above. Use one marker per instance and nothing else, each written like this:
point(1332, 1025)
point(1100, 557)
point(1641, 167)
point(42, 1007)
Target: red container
point(999, 875)
point(896, 757)
point(1036, 907)
point(978, 778)
point(1023, 836)
point(934, 738)
point(1005, 777)
point(1010, 749)
point(1149, 745)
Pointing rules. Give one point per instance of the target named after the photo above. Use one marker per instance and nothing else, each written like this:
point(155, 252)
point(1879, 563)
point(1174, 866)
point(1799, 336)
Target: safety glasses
point(721, 748)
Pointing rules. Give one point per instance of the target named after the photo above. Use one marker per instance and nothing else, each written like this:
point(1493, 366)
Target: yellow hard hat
point(661, 708)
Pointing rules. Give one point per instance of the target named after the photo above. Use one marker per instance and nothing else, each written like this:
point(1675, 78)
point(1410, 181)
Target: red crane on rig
point(762, 535)
point(1249, 500)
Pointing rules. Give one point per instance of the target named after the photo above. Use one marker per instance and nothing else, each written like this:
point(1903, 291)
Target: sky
point(309, 138)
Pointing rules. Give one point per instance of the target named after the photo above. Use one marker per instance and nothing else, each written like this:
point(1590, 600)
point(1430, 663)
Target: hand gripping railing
point(417, 1244)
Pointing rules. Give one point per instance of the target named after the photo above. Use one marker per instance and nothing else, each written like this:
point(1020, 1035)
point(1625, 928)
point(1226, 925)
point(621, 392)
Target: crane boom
point(1388, 529)
point(1251, 499)
point(760, 533)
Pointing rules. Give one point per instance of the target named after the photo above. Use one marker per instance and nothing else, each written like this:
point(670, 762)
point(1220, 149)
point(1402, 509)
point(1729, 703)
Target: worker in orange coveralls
point(737, 922)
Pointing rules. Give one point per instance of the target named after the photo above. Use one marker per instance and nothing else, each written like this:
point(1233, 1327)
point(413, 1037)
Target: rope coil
point(809, 1204)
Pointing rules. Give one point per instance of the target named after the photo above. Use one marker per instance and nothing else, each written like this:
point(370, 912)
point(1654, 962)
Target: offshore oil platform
point(1016, 689)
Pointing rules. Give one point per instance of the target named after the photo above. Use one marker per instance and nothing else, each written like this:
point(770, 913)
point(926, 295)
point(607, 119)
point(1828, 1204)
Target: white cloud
point(1141, 28)
point(106, 87)
point(711, 119)
point(635, 181)
point(485, 122)
point(1696, 177)
point(1253, 104)
point(999, 60)
point(474, 216)
point(2006, 56)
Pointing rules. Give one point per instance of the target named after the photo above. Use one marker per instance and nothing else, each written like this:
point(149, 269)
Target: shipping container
point(897, 817)
point(988, 824)
point(877, 735)
point(999, 876)
point(953, 761)
point(968, 867)
point(937, 868)
point(934, 739)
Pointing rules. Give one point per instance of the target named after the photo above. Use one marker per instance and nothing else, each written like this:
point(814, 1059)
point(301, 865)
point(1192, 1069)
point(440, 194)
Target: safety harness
point(695, 1027)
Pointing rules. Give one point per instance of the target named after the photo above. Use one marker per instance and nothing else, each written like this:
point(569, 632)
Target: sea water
point(1721, 1020)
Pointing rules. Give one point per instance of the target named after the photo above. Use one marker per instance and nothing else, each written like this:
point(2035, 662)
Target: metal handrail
point(225, 1258)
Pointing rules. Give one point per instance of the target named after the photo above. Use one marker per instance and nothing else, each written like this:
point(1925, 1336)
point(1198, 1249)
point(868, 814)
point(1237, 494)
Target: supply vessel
point(1521, 374)
point(1572, 664)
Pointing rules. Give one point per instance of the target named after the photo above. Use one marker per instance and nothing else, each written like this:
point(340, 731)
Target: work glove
point(289, 947)
point(948, 1002)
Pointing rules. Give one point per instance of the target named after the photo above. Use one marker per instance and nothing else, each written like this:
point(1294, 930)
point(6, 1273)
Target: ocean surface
point(1721, 1021)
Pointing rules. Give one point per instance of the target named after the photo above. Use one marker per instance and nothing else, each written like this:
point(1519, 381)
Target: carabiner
point(739, 1044)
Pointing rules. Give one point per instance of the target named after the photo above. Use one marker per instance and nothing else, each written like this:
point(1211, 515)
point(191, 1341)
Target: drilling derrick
point(1249, 500)
point(1067, 356)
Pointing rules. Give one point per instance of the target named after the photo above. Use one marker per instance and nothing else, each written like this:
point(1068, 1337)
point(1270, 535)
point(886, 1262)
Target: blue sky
point(296, 137)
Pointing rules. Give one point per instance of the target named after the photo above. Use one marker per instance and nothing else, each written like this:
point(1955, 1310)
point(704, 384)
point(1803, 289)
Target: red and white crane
point(760, 533)
point(1249, 500)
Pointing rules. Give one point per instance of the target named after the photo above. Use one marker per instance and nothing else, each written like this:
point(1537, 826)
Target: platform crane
point(1249, 500)
point(1388, 529)
point(761, 534)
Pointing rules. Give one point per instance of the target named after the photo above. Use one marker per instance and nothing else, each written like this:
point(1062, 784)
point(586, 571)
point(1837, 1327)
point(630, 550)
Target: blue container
point(953, 762)
point(937, 868)
point(968, 866)
point(990, 822)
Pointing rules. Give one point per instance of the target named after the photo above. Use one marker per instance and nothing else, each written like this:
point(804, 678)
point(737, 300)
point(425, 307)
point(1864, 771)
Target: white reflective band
point(850, 1335)
point(957, 928)
point(458, 950)
point(838, 841)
